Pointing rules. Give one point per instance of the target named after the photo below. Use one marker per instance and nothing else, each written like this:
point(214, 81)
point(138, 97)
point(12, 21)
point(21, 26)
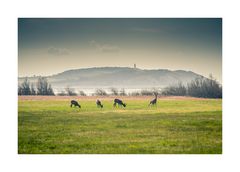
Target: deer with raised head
point(154, 101)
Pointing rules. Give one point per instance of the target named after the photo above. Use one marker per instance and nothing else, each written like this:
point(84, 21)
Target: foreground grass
point(174, 126)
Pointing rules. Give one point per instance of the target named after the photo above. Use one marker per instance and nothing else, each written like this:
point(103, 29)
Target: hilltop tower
point(135, 66)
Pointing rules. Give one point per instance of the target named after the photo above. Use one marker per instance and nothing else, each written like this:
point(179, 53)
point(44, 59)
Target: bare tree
point(114, 91)
point(205, 87)
point(50, 90)
point(100, 92)
point(81, 93)
point(24, 88)
point(19, 90)
point(70, 91)
point(177, 90)
point(122, 92)
point(33, 91)
point(199, 87)
point(43, 87)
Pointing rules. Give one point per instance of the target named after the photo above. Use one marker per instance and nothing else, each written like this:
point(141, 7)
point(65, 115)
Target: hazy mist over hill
point(118, 77)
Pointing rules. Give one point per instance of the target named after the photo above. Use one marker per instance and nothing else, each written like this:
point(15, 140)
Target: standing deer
point(154, 101)
point(99, 104)
point(119, 102)
point(75, 103)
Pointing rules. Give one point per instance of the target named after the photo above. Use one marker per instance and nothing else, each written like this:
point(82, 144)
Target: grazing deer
point(99, 104)
point(119, 102)
point(154, 101)
point(75, 103)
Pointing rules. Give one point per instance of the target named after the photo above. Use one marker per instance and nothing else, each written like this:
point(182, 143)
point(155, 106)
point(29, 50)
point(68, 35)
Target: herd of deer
point(116, 102)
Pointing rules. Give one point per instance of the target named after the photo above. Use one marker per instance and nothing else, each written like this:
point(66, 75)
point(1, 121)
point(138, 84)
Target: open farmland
point(177, 125)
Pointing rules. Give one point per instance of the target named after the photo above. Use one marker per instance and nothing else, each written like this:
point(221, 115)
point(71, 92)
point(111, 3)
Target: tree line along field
point(177, 125)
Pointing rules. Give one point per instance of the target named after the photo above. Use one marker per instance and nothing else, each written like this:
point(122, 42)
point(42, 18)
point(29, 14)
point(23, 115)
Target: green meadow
point(174, 126)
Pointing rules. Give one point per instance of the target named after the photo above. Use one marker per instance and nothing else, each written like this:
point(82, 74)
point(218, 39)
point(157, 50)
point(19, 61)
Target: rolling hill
point(119, 77)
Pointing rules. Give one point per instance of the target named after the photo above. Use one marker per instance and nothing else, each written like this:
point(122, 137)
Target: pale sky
point(50, 46)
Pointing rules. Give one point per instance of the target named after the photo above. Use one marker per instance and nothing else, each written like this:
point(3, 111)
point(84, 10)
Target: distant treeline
point(112, 92)
point(200, 87)
point(42, 87)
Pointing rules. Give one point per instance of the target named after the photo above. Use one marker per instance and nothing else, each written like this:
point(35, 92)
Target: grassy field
point(175, 126)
